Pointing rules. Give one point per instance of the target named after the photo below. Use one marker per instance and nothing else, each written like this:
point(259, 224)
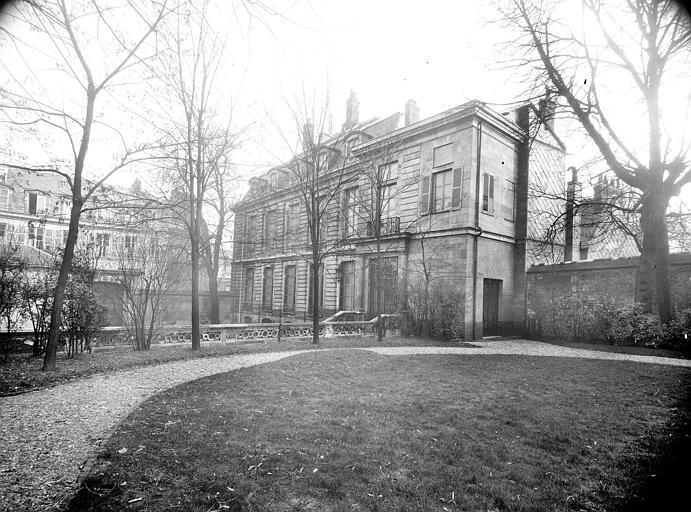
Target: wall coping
point(679, 258)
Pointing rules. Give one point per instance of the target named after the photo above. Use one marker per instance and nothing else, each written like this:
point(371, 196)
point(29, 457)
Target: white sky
point(439, 53)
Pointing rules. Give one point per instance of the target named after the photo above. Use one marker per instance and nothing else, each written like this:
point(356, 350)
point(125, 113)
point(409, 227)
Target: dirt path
point(49, 435)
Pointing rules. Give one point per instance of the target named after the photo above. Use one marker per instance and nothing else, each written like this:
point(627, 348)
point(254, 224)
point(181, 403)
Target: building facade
point(453, 198)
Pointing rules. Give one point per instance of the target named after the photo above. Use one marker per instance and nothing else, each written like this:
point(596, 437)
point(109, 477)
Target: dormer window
point(37, 203)
point(3, 174)
point(273, 180)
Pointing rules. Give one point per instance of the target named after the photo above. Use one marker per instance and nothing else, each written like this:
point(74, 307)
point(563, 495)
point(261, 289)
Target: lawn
point(23, 373)
point(349, 430)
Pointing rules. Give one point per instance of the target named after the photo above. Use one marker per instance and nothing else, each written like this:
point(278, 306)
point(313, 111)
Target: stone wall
point(610, 281)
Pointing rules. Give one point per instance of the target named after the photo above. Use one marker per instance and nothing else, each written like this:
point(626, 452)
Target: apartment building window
point(3, 174)
point(289, 289)
point(387, 204)
point(18, 234)
point(37, 203)
point(350, 211)
point(4, 197)
point(270, 228)
point(36, 236)
point(441, 190)
point(487, 192)
point(248, 289)
point(250, 236)
point(383, 277)
point(53, 240)
point(510, 207)
point(102, 244)
point(268, 288)
point(129, 245)
point(347, 301)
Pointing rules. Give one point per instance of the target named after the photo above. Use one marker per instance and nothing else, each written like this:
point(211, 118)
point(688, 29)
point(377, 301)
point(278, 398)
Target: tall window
point(129, 245)
point(36, 236)
point(270, 228)
point(510, 212)
point(37, 203)
point(268, 288)
point(53, 240)
point(289, 289)
point(250, 236)
point(102, 244)
point(487, 192)
point(383, 275)
point(4, 198)
point(441, 190)
point(248, 289)
point(3, 230)
point(350, 210)
point(347, 286)
point(387, 200)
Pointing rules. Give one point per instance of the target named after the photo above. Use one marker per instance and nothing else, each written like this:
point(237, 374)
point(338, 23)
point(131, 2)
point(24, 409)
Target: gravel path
point(47, 436)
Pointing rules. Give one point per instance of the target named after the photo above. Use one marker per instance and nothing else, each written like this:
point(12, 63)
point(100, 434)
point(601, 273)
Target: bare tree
point(317, 173)
point(214, 232)
point(149, 267)
point(640, 44)
point(76, 34)
point(197, 138)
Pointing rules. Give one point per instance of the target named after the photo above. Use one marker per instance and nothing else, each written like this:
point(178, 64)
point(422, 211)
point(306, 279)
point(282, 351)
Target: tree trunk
point(315, 302)
point(652, 277)
point(196, 342)
point(212, 274)
point(50, 358)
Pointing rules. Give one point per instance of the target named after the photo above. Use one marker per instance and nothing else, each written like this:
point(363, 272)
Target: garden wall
point(584, 284)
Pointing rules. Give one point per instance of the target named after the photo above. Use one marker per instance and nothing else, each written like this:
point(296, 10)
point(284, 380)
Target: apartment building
point(454, 205)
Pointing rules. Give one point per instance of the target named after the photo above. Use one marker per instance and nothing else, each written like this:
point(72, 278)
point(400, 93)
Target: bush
point(433, 309)
point(575, 318)
point(631, 325)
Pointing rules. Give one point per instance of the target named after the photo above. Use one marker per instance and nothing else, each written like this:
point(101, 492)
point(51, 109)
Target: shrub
point(575, 318)
point(631, 325)
point(433, 309)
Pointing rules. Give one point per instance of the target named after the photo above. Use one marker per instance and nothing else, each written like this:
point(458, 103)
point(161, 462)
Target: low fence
point(242, 333)
point(224, 333)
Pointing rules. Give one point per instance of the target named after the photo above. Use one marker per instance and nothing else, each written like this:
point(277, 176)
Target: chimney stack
point(412, 112)
point(352, 110)
point(547, 107)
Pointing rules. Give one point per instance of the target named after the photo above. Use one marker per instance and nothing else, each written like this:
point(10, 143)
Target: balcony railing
point(388, 226)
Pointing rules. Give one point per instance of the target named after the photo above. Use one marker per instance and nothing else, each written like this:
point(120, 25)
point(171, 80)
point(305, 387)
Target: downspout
point(478, 231)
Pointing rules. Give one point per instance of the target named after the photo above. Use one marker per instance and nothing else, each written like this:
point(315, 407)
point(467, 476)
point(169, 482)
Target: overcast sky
point(439, 53)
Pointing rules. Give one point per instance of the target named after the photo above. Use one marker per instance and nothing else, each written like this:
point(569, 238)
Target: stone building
point(460, 207)
point(34, 213)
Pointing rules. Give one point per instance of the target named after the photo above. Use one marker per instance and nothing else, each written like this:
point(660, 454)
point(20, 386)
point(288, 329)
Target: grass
point(349, 431)
point(623, 349)
point(23, 372)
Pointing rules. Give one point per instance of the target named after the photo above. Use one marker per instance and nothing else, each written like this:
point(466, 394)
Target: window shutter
point(491, 192)
point(262, 217)
point(424, 195)
point(456, 187)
